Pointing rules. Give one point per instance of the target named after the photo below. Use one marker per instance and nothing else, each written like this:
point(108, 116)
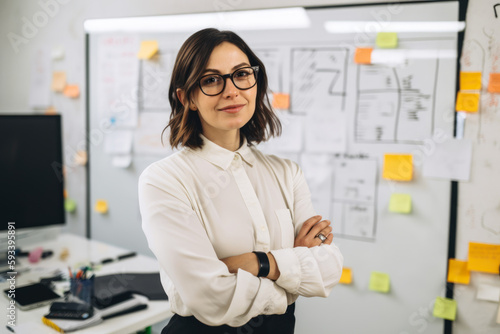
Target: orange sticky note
point(346, 277)
point(467, 102)
point(281, 101)
point(58, 81)
point(50, 111)
point(148, 49)
point(484, 257)
point(81, 158)
point(494, 84)
point(470, 80)
point(363, 55)
point(101, 206)
point(65, 193)
point(398, 167)
point(458, 272)
point(72, 91)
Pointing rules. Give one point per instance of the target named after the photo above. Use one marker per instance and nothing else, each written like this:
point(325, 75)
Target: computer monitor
point(31, 180)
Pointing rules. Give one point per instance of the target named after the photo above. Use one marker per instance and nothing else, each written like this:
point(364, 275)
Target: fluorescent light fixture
point(367, 27)
point(281, 18)
point(399, 56)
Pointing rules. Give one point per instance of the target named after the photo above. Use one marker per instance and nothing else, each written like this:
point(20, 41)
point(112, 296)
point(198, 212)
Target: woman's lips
point(233, 108)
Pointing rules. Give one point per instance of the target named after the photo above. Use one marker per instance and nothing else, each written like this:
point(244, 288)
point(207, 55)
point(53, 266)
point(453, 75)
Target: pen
point(10, 328)
point(125, 256)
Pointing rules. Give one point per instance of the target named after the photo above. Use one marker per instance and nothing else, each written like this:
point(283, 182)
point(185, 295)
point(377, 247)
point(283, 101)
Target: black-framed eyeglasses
point(243, 78)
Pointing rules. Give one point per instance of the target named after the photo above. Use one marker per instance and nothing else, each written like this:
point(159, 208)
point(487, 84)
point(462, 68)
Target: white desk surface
point(82, 251)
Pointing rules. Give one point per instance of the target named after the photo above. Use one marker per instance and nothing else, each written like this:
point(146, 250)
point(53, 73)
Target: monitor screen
point(31, 181)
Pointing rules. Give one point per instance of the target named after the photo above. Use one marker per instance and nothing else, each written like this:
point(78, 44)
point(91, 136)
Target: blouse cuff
point(289, 267)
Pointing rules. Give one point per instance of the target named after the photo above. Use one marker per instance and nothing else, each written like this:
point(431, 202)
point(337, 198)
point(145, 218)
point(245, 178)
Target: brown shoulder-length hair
point(185, 125)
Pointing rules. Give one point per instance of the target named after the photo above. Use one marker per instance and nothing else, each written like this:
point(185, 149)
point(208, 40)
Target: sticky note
point(58, 81)
point(387, 40)
point(400, 203)
point(380, 282)
point(65, 193)
point(50, 111)
point(81, 158)
point(69, 205)
point(363, 56)
point(494, 84)
point(148, 49)
point(281, 101)
point(72, 91)
point(488, 292)
point(467, 102)
point(458, 272)
point(101, 206)
point(445, 308)
point(470, 80)
point(346, 277)
point(484, 257)
point(398, 167)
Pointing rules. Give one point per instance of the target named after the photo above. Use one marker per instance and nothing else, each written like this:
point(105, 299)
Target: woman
point(234, 230)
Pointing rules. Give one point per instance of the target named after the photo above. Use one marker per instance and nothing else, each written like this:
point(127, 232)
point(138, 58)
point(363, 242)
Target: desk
point(82, 250)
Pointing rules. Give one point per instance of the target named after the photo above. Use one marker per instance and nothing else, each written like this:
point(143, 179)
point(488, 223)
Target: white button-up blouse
point(202, 205)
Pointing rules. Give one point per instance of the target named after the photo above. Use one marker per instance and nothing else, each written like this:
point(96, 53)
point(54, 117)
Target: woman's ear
point(181, 96)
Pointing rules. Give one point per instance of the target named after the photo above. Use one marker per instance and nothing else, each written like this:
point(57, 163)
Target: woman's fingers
point(316, 229)
point(308, 224)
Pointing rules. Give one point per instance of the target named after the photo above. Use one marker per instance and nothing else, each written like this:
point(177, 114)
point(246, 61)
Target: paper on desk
point(32, 327)
point(445, 308)
point(40, 80)
point(484, 257)
point(450, 160)
point(118, 142)
point(488, 292)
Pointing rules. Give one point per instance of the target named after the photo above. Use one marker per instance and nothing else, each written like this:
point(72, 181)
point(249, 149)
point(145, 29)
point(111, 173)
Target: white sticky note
point(488, 292)
point(122, 161)
point(450, 160)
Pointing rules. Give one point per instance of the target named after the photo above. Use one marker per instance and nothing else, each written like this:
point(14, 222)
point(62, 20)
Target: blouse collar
point(222, 157)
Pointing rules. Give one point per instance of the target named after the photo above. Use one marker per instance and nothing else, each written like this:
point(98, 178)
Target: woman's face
point(215, 116)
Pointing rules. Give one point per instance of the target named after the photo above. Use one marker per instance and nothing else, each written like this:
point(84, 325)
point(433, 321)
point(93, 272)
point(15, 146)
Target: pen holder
point(82, 289)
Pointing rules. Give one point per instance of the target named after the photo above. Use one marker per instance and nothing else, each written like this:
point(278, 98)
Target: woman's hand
point(310, 229)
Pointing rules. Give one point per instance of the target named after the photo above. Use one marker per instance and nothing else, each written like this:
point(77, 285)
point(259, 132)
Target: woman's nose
point(230, 90)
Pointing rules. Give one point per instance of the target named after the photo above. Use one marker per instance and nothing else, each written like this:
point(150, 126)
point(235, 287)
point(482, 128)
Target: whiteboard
point(343, 117)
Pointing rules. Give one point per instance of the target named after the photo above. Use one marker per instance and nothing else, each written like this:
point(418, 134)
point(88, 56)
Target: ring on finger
point(321, 237)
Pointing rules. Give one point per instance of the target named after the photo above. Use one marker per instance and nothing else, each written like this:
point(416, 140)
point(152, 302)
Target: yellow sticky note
point(72, 91)
point(458, 272)
point(363, 56)
point(58, 81)
point(380, 282)
point(484, 257)
point(400, 203)
point(398, 167)
point(148, 49)
point(346, 277)
point(494, 84)
point(69, 205)
point(101, 206)
point(281, 101)
point(467, 102)
point(387, 40)
point(445, 308)
point(470, 80)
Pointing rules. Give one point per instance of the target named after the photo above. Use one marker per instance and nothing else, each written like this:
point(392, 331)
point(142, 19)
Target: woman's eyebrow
point(234, 68)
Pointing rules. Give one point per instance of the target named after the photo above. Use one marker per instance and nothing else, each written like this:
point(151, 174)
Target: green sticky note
point(69, 205)
point(445, 308)
point(400, 203)
point(387, 40)
point(380, 282)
